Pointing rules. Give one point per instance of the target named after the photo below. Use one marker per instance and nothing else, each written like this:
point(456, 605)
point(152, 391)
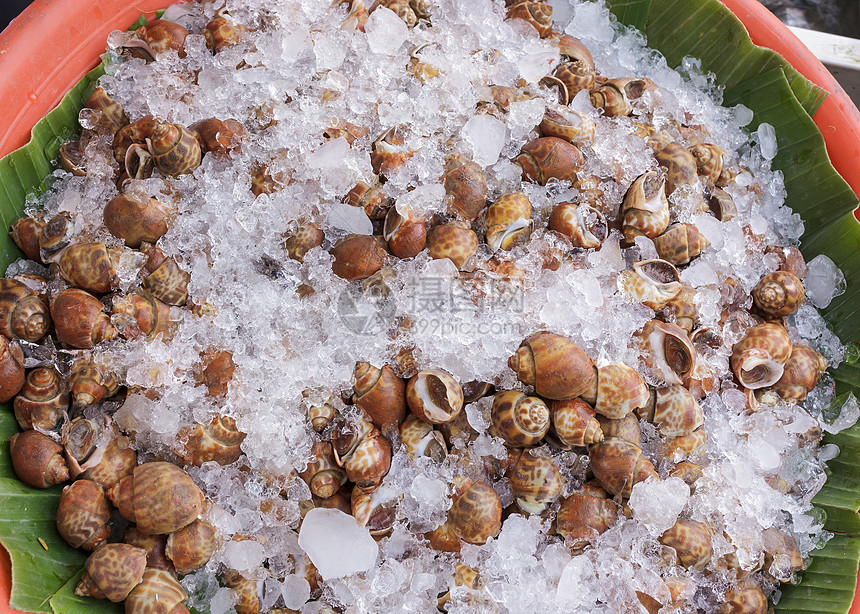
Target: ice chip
point(842, 413)
point(296, 591)
point(385, 31)
point(336, 544)
point(743, 115)
point(578, 584)
point(330, 154)
point(222, 601)
point(536, 61)
point(486, 136)
point(244, 555)
point(657, 504)
point(351, 219)
point(767, 140)
point(823, 281)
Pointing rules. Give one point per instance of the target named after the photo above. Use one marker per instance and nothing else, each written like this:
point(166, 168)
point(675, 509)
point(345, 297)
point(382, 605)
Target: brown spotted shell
point(112, 571)
point(466, 187)
point(357, 257)
point(782, 558)
point(162, 35)
point(110, 463)
point(154, 546)
point(686, 446)
point(380, 393)
point(216, 371)
point(758, 360)
point(519, 419)
point(90, 382)
point(626, 428)
point(372, 198)
point(23, 313)
point(219, 441)
point(537, 14)
point(11, 369)
point(582, 224)
point(218, 137)
point(221, 32)
point(406, 237)
point(548, 158)
point(191, 546)
point(141, 315)
point(109, 116)
point(320, 413)
point(779, 294)
point(322, 474)
point(55, 236)
point(689, 472)
point(680, 244)
point(645, 208)
point(304, 238)
point(174, 149)
point(709, 161)
point(745, 600)
point(389, 152)
point(563, 122)
point(573, 77)
point(157, 592)
point(674, 411)
point(722, 205)
point(135, 221)
point(681, 309)
point(159, 497)
point(615, 96)
point(376, 509)
point(362, 451)
point(476, 511)
point(43, 400)
point(667, 350)
point(535, 481)
point(508, 221)
point(90, 266)
point(790, 260)
point(651, 282)
point(618, 390)
point(37, 459)
point(454, 240)
point(83, 515)
point(574, 423)
point(421, 439)
point(583, 516)
point(691, 540)
point(434, 396)
point(79, 319)
point(681, 169)
point(165, 280)
point(618, 465)
point(25, 232)
point(801, 373)
point(557, 367)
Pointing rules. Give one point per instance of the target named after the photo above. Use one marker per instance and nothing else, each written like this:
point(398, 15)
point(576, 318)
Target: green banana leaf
point(44, 580)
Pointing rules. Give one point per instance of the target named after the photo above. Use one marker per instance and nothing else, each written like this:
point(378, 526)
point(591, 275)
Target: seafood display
point(424, 305)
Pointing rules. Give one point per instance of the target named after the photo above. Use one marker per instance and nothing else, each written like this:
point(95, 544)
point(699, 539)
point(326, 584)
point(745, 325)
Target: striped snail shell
point(758, 360)
point(23, 313)
point(508, 221)
point(25, 232)
point(674, 410)
point(535, 481)
point(557, 367)
point(537, 14)
point(801, 373)
point(584, 515)
point(90, 382)
point(779, 294)
point(43, 400)
point(582, 224)
point(691, 540)
point(519, 419)
point(476, 511)
point(651, 282)
point(191, 546)
point(680, 243)
point(618, 465)
point(164, 280)
point(112, 571)
point(158, 591)
point(645, 208)
point(618, 390)
point(83, 515)
point(80, 320)
point(574, 423)
point(548, 158)
point(434, 396)
point(135, 221)
point(174, 149)
point(421, 439)
point(668, 350)
point(322, 474)
point(90, 266)
point(219, 441)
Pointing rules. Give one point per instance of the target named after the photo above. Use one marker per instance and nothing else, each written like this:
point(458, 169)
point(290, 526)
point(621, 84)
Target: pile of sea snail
point(567, 403)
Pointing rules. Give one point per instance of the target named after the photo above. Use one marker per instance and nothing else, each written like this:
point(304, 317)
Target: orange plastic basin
point(54, 43)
